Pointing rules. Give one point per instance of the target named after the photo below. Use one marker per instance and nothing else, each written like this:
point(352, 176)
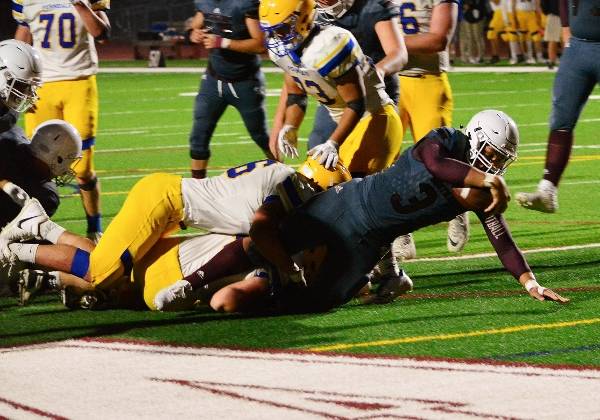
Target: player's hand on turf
point(542, 293)
point(16, 193)
point(500, 194)
point(326, 154)
point(287, 141)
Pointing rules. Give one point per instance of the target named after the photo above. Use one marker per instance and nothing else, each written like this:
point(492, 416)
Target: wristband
point(488, 181)
point(530, 284)
point(221, 42)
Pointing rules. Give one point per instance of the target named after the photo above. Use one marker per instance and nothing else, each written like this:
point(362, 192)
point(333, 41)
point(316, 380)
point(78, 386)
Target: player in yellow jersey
point(425, 94)
point(63, 31)
point(527, 15)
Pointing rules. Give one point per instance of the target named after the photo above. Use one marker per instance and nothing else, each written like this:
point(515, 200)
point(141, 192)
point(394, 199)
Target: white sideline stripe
point(457, 70)
point(594, 97)
point(493, 254)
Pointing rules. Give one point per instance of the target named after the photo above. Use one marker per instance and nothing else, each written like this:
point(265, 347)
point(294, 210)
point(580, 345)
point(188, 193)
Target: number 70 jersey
point(58, 33)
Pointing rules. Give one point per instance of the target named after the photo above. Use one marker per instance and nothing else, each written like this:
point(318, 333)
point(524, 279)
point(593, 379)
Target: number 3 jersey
point(58, 32)
point(227, 203)
point(330, 52)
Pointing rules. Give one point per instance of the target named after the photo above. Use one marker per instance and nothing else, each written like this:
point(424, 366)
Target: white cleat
point(7, 257)
point(404, 248)
point(390, 288)
point(27, 223)
point(458, 232)
point(174, 293)
point(545, 199)
point(531, 60)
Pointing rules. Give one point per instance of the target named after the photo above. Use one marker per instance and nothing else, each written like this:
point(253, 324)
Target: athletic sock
point(94, 223)
point(557, 155)
point(50, 231)
point(24, 252)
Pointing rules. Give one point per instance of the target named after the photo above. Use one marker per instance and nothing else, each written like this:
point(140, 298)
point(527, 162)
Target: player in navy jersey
point(230, 32)
point(578, 73)
point(348, 224)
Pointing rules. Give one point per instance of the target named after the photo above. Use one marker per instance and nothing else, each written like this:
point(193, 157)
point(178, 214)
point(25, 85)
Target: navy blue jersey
point(584, 19)
point(8, 118)
point(16, 166)
point(228, 19)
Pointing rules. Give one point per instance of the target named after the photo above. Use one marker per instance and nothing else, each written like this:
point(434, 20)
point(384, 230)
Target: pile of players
point(311, 242)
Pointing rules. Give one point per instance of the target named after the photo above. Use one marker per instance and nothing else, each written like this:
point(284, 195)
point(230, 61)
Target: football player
point(374, 24)
point(499, 28)
point(425, 94)
point(20, 77)
point(528, 16)
point(578, 73)
point(230, 32)
point(27, 168)
point(356, 218)
point(64, 34)
point(327, 63)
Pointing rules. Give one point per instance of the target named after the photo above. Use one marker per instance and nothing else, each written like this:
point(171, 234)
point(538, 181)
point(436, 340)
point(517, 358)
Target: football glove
point(16, 193)
point(287, 141)
point(326, 154)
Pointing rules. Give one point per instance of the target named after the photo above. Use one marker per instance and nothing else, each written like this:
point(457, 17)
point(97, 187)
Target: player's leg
point(252, 294)
point(81, 110)
point(511, 35)
point(535, 35)
point(248, 97)
point(48, 107)
point(209, 106)
point(576, 77)
point(492, 34)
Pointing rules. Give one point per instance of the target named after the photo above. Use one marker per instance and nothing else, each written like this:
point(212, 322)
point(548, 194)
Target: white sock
point(529, 48)
point(24, 252)
point(514, 49)
point(51, 231)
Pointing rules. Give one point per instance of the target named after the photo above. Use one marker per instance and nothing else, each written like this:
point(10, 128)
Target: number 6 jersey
point(58, 32)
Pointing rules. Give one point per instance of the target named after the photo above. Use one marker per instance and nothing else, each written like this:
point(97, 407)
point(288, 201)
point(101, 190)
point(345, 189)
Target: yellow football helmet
point(286, 23)
point(324, 178)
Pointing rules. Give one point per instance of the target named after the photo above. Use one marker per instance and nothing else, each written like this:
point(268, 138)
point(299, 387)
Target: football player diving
point(422, 188)
point(156, 206)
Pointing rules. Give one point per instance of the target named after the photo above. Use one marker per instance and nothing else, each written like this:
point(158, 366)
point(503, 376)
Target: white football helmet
point(58, 144)
point(334, 8)
point(20, 74)
point(496, 130)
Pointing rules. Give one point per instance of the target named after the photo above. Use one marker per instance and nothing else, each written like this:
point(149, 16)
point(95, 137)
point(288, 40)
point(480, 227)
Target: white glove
point(287, 141)
point(16, 193)
point(326, 154)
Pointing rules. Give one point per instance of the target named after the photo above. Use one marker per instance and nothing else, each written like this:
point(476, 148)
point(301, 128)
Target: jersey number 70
point(66, 29)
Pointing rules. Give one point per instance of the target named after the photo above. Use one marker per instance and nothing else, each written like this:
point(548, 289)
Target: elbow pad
point(296, 99)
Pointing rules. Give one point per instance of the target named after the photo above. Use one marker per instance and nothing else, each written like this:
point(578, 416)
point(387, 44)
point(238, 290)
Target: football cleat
point(545, 199)
point(458, 233)
point(390, 288)
point(175, 292)
point(89, 300)
point(530, 60)
point(31, 283)
point(26, 225)
point(404, 248)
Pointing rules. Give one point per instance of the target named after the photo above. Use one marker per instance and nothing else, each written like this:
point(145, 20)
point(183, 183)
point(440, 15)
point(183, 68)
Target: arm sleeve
point(439, 161)
point(563, 6)
point(499, 235)
point(17, 12)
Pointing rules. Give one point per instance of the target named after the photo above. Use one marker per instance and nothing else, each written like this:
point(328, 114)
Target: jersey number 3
point(66, 29)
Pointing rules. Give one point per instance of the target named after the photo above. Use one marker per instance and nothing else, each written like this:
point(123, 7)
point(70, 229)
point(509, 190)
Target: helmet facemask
point(286, 29)
point(18, 94)
point(283, 38)
point(482, 149)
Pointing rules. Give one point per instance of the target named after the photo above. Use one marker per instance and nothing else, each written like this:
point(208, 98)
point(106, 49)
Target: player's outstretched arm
point(96, 23)
point(539, 292)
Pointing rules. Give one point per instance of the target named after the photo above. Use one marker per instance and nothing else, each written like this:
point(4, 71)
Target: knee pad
point(89, 185)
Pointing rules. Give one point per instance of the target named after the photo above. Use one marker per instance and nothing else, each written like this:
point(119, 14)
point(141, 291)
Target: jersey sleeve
point(438, 2)
point(17, 12)
point(251, 10)
point(388, 9)
point(341, 54)
point(100, 5)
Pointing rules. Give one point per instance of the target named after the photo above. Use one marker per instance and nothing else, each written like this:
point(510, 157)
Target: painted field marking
point(478, 333)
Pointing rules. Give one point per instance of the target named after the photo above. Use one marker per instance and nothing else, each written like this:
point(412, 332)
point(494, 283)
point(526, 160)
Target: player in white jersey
point(63, 31)
point(156, 206)
point(327, 63)
point(425, 94)
point(527, 16)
